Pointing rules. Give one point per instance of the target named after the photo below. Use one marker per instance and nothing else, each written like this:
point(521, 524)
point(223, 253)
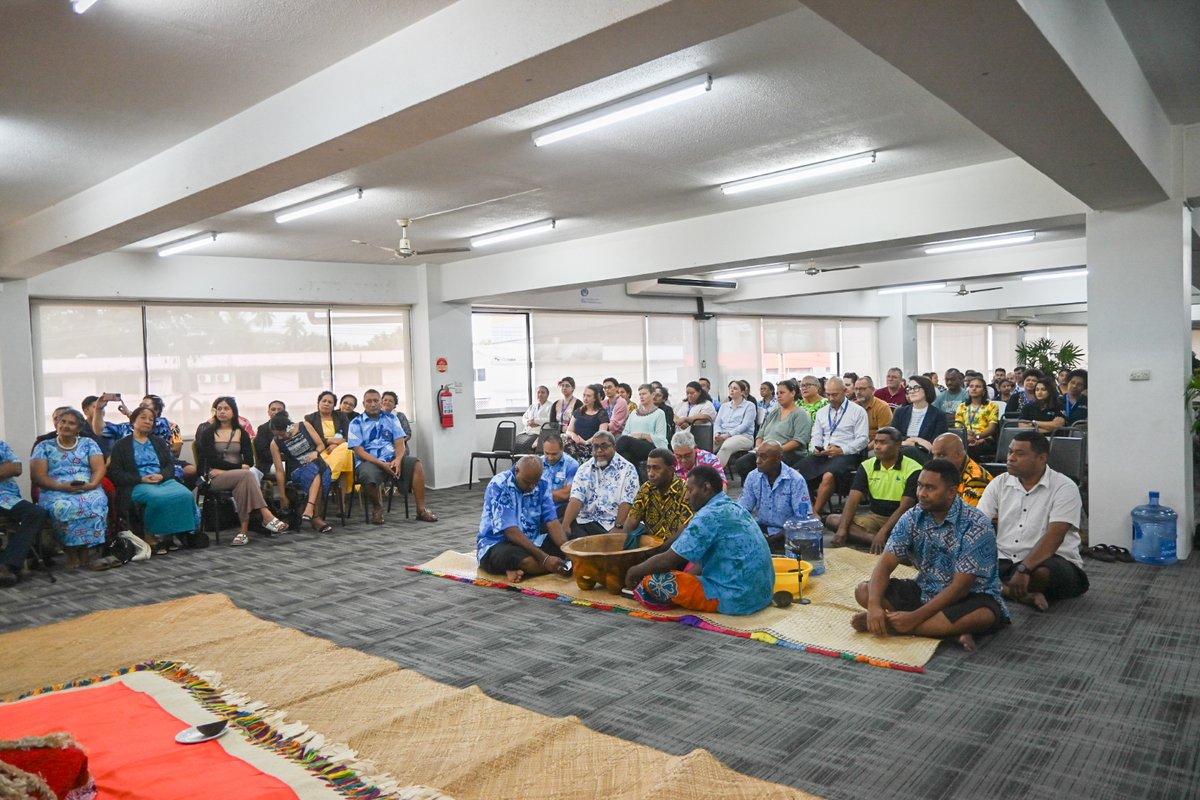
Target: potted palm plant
point(1048, 356)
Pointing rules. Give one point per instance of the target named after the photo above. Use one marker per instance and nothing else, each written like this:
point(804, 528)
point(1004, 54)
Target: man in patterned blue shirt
point(30, 517)
point(775, 493)
point(722, 539)
point(519, 533)
point(953, 548)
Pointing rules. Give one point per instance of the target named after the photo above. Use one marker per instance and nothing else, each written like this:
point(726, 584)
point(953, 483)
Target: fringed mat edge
point(687, 619)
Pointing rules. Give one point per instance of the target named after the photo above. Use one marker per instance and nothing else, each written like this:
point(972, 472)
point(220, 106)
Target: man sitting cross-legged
point(659, 509)
point(775, 493)
point(974, 477)
point(603, 490)
point(888, 482)
point(1037, 512)
point(559, 469)
point(519, 534)
point(736, 573)
point(953, 548)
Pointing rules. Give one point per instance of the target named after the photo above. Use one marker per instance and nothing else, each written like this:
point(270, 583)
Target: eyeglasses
point(916, 389)
point(811, 385)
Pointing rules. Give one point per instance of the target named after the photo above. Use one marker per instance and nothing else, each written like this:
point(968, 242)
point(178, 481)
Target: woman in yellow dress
point(333, 427)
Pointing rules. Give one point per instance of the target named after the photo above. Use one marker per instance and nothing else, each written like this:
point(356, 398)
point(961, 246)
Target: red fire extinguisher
point(446, 407)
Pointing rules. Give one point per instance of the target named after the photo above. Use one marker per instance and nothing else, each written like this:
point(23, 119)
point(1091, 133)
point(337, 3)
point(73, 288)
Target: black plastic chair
point(1068, 456)
point(703, 434)
point(502, 448)
point(210, 498)
point(1002, 443)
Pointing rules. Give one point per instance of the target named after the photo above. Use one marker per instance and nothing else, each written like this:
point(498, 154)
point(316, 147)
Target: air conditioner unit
point(680, 287)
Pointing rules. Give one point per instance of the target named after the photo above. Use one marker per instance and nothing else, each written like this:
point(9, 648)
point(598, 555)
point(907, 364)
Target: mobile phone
point(78, 483)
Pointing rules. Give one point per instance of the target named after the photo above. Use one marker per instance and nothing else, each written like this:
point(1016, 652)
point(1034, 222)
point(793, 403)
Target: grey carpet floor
point(1099, 698)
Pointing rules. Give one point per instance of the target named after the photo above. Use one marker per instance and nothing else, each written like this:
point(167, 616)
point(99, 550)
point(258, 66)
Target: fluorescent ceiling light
point(913, 287)
point(332, 200)
point(799, 173)
point(979, 242)
point(512, 233)
point(1049, 276)
point(81, 6)
point(633, 106)
point(752, 272)
point(192, 242)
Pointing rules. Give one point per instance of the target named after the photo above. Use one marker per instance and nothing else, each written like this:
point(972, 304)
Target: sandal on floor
point(1120, 554)
point(323, 527)
point(425, 515)
point(276, 525)
point(172, 544)
point(160, 548)
point(306, 517)
point(1100, 552)
point(239, 540)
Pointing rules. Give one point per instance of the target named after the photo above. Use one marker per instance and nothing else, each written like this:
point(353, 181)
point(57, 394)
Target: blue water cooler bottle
point(1154, 533)
point(803, 539)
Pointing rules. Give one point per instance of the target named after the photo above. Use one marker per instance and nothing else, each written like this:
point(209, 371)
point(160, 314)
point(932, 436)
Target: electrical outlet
point(1139, 375)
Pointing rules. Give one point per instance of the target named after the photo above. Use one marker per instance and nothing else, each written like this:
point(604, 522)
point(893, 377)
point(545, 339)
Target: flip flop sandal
point(427, 516)
point(172, 545)
point(276, 525)
point(240, 540)
point(1120, 554)
point(326, 528)
point(1100, 552)
point(160, 549)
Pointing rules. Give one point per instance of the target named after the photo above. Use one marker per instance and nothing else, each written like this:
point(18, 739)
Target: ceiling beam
point(1053, 81)
point(411, 87)
point(919, 208)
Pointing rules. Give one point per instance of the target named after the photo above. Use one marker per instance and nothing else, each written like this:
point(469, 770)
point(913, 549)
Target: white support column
point(708, 366)
point(442, 330)
point(1139, 307)
point(897, 340)
point(18, 414)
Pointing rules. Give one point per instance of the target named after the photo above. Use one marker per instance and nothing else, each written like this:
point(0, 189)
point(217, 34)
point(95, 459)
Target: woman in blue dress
point(142, 469)
point(68, 469)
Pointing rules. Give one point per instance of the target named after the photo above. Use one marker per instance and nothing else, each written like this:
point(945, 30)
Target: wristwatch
point(1023, 569)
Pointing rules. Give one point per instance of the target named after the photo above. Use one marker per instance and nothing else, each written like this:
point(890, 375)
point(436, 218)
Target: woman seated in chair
point(696, 407)
point(299, 460)
point(980, 417)
point(586, 422)
point(143, 471)
point(68, 469)
point(347, 406)
point(1044, 412)
point(332, 427)
point(226, 456)
point(645, 428)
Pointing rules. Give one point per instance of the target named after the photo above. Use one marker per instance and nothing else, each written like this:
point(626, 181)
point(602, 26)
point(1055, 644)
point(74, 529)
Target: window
point(87, 349)
point(517, 351)
point(370, 351)
point(772, 348)
point(500, 349)
point(194, 353)
point(671, 352)
point(966, 345)
point(202, 350)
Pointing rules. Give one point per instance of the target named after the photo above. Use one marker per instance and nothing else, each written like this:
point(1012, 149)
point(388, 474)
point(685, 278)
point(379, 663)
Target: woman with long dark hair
point(1044, 412)
point(918, 421)
point(588, 420)
point(226, 457)
point(332, 426)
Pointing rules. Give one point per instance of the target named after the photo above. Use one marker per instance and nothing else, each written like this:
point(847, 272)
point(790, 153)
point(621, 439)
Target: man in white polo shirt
point(839, 437)
point(1036, 512)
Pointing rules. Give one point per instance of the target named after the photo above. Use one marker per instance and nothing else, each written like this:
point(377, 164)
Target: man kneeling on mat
point(735, 573)
point(953, 548)
point(519, 533)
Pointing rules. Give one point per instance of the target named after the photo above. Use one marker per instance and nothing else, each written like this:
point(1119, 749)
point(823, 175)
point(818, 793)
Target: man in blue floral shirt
point(775, 493)
point(603, 491)
point(736, 573)
point(519, 533)
point(953, 548)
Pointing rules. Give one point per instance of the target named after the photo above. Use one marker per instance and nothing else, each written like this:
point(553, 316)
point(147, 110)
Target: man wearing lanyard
point(839, 438)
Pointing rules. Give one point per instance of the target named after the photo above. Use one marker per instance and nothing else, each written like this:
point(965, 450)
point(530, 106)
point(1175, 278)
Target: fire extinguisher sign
point(442, 365)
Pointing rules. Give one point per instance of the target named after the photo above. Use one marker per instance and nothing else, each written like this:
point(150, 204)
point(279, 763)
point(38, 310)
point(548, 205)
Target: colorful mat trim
point(687, 619)
point(293, 741)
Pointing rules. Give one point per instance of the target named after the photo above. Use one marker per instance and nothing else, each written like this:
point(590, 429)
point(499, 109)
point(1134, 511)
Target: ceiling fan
point(963, 291)
point(405, 248)
point(813, 270)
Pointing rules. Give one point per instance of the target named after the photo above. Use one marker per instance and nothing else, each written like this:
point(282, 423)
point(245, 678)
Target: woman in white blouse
point(537, 415)
point(734, 429)
point(698, 407)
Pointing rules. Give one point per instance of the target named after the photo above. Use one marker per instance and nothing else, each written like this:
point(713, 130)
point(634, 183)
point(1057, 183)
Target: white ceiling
point(788, 91)
point(144, 75)
point(84, 97)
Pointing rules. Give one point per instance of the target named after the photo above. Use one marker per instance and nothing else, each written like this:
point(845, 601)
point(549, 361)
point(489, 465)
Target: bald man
point(519, 533)
point(774, 493)
point(974, 477)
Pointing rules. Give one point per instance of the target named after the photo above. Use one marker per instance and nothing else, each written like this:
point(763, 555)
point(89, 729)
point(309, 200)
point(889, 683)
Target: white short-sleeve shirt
point(1023, 516)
